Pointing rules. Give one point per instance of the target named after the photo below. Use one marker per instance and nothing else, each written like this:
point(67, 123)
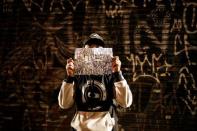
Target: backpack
point(84, 85)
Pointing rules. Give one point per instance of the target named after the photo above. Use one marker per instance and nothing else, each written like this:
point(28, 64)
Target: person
point(93, 95)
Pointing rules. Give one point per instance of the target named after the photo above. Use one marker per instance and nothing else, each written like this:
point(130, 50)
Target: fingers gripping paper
point(93, 61)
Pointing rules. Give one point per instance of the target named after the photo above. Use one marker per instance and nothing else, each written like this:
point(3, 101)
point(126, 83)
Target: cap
point(94, 38)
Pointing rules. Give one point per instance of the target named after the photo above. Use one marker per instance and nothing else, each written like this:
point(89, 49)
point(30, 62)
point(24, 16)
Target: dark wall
point(155, 39)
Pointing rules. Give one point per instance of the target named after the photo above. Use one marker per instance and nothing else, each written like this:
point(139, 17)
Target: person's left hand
point(116, 64)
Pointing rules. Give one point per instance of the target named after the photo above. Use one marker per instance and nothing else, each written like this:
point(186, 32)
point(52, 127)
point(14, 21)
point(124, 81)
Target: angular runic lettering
point(177, 25)
point(177, 43)
point(114, 11)
point(139, 64)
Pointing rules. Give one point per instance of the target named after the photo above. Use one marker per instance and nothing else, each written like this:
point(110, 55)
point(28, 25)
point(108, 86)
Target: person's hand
point(70, 67)
point(116, 64)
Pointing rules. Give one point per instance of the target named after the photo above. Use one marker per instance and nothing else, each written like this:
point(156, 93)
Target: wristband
point(69, 79)
point(118, 76)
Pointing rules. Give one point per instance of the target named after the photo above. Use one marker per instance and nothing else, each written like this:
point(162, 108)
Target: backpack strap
point(113, 113)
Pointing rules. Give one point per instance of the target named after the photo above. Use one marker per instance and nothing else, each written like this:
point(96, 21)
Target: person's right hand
point(70, 67)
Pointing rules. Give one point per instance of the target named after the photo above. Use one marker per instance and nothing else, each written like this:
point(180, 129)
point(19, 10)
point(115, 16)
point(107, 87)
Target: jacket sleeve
point(65, 97)
point(123, 93)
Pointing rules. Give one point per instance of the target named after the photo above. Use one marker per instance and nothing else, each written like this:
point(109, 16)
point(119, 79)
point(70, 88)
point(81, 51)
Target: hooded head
point(95, 39)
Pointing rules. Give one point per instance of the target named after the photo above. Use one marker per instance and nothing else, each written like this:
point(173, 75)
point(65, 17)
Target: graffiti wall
point(155, 40)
